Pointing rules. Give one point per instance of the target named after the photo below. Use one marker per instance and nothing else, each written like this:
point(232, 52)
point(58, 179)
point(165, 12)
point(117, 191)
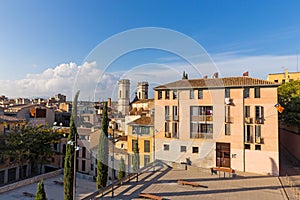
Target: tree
point(70, 153)
point(136, 157)
point(102, 163)
point(40, 193)
point(289, 98)
point(185, 75)
point(121, 169)
point(33, 145)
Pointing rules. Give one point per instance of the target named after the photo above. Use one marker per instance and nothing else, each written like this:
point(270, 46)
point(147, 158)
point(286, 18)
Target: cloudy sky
point(49, 47)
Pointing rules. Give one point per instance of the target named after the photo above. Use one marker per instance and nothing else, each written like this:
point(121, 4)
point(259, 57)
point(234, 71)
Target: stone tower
point(142, 90)
point(123, 96)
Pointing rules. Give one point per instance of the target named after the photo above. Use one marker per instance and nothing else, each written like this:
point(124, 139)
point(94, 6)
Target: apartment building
point(284, 77)
point(227, 122)
point(140, 131)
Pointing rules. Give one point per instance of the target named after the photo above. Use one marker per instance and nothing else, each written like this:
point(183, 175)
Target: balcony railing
point(196, 135)
point(259, 140)
point(248, 139)
point(248, 120)
point(167, 135)
point(202, 118)
point(175, 117)
point(174, 135)
point(259, 120)
point(228, 119)
point(167, 117)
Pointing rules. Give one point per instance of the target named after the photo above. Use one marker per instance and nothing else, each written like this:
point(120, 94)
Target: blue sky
point(40, 35)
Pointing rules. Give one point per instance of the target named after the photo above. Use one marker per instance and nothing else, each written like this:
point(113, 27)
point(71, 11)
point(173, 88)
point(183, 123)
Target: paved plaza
point(163, 182)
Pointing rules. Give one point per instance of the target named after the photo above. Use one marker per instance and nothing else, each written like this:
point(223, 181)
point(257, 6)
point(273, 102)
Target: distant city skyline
point(44, 44)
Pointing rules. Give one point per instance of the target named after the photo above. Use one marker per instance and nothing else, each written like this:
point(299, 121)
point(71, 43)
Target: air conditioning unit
point(228, 101)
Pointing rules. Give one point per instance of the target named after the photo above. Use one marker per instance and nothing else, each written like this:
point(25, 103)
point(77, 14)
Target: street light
point(76, 148)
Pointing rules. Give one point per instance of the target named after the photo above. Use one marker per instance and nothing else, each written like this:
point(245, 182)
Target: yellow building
point(141, 131)
point(284, 77)
point(225, 122)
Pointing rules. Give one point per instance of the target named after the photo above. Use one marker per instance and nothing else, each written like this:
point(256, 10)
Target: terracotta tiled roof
point(216, 83)
point(4, 118)
point(142, 121)
point(144, 101)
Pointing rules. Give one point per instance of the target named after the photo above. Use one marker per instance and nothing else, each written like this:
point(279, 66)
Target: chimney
point(216, 75)
point(246, 73)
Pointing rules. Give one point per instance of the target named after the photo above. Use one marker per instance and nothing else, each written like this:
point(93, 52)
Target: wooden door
point(223, 155)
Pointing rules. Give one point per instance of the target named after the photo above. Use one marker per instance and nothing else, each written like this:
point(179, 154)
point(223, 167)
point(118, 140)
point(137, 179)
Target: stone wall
point(28, 181)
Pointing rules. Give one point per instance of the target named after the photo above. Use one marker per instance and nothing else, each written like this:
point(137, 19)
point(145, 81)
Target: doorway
point(223, 154)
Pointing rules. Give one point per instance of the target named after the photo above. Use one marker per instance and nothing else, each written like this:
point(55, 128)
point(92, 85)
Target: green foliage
point(136, 157)
point(102, 164)
point(289, 98)
point(185, 75)
point(121, 169)
point(70, 153)
point(40, 193)
point(29, 144)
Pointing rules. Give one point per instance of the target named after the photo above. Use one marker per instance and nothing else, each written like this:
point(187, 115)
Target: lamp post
point(76, 148)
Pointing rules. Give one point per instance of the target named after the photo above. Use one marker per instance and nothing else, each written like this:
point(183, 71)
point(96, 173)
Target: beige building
point(227, 122)
point(284, 77)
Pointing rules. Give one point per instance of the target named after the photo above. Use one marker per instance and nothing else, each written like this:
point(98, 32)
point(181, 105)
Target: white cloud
point(96, 85)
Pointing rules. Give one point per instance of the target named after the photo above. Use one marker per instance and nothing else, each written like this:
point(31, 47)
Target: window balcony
point(167, 117)
point(167, 135)
point(248, 140)
point(259, 140)
point(248, 120)
point(196, 135)
point(229, 119)
point(259, 120)
point(175, 117)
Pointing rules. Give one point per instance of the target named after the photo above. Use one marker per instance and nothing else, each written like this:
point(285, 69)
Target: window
point(248, 133)
point(246, 92)
point(257, 147)
point(276, 81)
point(83, 152)
point(141, 130)
point(146, 146)
point(182, 148)
point(247, 111)
point(200, 94)
point(257, 92)
point(227, 92)
point(227, 129)
point(159, 95)
point(175, 113)
point(166, 147)
point(127, 94)
point(227, 114)
point(174, 94)
point(146, 160)
point(167, 113)
point(283, 81)
point(247, 146)
point(191, 94)
point(134, 144)
point(167, 92)
point(259, 114)
point(83, 165)
point(120, 93)
point(195, 150)
point(257, 131)
point(167, 128)
point(175, 129)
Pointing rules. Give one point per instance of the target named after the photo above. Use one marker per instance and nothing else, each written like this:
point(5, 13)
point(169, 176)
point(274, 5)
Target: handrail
point(117, 183)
